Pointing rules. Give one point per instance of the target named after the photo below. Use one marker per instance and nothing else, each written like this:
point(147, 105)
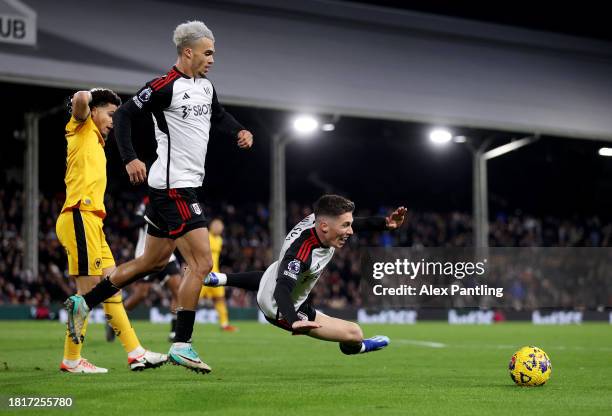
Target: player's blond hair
point(187, 33)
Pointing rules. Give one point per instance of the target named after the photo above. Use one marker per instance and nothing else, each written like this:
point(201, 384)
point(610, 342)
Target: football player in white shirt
point(184, 108)
point(282, 290)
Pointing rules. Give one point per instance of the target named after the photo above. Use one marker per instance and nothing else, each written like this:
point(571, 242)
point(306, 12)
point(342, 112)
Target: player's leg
point(171, 279)
point(103, 264)
point(72, 235)
point(72, 361)
point(337, 330)
point(195, 249)
point(173, 283)
point(348, 334)
point(137, 292)
point(138, 357)
point(247, 280)
point(155, 257)
point(215, 281)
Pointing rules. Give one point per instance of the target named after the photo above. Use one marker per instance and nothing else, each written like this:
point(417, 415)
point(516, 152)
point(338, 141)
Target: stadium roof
point(328, 56)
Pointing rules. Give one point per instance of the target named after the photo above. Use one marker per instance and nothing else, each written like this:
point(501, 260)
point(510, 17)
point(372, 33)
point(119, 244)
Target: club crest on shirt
point(195, 207)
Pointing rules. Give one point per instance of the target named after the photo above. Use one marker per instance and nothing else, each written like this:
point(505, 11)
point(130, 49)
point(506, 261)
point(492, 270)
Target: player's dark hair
point(102, 96)
point(333, 205)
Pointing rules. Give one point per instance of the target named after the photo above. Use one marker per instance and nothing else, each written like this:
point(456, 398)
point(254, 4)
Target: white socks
point(71, 363)
point(136, 352)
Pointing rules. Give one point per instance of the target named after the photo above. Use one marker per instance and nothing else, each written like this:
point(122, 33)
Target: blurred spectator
point(247, 247)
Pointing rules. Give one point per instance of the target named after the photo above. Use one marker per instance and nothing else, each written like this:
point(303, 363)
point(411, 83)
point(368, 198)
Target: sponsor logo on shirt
point(196, 110)
point(291, 275)
point(137, 101)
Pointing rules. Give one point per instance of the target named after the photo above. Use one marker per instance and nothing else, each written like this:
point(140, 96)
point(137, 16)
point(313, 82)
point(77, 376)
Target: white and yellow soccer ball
point(530, 366)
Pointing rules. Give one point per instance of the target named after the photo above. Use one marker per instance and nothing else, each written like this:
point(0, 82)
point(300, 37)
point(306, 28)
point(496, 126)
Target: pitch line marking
point(429, 344)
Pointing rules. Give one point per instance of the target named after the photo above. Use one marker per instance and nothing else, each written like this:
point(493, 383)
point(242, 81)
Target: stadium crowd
point(247, 247)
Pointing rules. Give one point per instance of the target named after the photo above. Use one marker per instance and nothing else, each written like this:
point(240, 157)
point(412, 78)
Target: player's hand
point(396, 219)
point(137, 171)
point(302, 327)
point(245, 139)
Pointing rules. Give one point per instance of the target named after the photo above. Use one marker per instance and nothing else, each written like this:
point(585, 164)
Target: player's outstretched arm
point(80, 105)
point(391, 222)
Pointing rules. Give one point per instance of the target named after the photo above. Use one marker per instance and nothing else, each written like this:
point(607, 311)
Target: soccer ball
point(530, 366)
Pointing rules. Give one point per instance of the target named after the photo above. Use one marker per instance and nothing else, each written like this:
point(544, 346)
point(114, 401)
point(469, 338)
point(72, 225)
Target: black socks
point(184, 326)
point(100, 293)
point(247, 280)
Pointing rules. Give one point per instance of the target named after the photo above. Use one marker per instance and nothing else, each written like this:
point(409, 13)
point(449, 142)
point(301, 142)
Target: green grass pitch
point(429, 369)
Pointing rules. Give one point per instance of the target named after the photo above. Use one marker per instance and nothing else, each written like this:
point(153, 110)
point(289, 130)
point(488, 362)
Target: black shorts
point(170, 269)
point(171, 213)
point(306, 312)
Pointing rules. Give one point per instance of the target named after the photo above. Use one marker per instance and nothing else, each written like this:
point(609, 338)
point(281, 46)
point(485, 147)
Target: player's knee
point(201, 267)
point(155, 264)
point(354, 333)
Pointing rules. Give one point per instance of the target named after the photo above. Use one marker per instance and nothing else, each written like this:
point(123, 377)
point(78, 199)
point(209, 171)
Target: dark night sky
point(374, 162)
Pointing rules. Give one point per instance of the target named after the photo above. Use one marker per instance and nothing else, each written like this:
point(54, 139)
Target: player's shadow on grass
point(508, 386)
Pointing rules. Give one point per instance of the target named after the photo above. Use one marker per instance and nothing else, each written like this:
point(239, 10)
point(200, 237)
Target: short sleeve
point(74, 126)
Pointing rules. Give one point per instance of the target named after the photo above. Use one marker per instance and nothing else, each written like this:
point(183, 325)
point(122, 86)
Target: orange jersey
point(85, 167)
